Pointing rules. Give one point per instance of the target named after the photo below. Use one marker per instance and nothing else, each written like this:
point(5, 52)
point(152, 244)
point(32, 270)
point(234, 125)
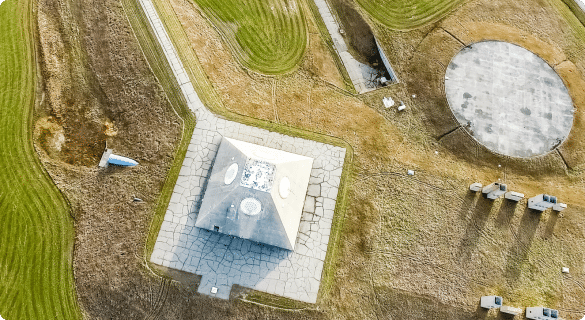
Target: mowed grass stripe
point(36, 231)
point(267, 36)
point(408, 14)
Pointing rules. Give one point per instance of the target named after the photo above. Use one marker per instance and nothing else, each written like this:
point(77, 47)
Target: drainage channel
point(364, 77)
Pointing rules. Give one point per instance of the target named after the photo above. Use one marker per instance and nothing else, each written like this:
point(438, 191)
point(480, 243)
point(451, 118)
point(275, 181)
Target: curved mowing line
point(268, 36)
point(36, 232)
point(408, 14)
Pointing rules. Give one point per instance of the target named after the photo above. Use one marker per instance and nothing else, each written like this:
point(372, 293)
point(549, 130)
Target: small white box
point(514, 196)
point(214, 290)
point(410, 172)
point(510, 310)
point(475, 187)
point(565, 270)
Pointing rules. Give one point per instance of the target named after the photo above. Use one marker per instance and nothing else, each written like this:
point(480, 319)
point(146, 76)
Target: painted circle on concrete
point(509, 99)
point(231, 173)
point(250, 206)
point(284, 187)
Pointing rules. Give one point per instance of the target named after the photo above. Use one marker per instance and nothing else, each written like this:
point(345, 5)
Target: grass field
point(407, 14)
point(268, 36)
point(36, 230)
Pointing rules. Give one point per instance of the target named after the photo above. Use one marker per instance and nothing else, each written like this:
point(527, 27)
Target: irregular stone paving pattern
point(359, 73)
point(223, 260)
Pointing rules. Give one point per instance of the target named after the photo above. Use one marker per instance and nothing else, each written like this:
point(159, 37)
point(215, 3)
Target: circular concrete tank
point(508, 99)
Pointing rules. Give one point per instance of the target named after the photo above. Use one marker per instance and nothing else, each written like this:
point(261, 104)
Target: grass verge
point(36, 228)
point(213, 102)
point(408, 14)
point(577, 11)
point(267, 36)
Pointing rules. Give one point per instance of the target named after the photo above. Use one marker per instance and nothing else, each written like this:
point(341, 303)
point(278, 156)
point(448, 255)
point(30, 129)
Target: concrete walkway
point(359, 73)
point(223, 260)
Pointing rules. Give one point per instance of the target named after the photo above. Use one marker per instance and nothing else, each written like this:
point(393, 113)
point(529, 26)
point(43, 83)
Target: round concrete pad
point(509, 99)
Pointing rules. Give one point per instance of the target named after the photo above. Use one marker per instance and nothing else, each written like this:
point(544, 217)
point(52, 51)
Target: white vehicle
point(541, 313)
point(491, 302)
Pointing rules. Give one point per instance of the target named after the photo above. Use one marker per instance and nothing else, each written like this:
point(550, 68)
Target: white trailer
point(510, 310)
point(541, 313)
point(475, 187)
point(490, 302)
point(542, 202)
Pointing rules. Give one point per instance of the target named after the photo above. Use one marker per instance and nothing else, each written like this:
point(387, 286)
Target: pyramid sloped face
point(256, 193)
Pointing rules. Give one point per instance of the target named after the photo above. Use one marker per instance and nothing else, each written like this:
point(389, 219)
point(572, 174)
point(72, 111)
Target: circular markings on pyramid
point(250, 206)
point(284, 187)
point(231, 173)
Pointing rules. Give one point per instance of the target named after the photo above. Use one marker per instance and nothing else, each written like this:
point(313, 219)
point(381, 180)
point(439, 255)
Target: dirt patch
point(50, 136)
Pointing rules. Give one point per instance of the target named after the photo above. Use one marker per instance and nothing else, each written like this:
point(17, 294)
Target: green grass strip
point(576, 10)
point(36, 229)
point(267, 36)
point(408, 14)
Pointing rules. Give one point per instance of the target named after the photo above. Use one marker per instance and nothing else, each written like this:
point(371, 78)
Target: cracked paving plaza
point(223, 260)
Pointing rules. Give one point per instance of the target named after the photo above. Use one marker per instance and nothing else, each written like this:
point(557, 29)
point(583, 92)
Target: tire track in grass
point(36, 232)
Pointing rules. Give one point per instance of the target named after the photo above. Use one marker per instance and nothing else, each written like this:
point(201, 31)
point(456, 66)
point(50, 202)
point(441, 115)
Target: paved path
point(222, 260)
point(358, 72)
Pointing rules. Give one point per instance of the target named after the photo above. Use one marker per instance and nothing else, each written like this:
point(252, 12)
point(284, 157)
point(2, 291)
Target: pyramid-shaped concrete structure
point(256, 193)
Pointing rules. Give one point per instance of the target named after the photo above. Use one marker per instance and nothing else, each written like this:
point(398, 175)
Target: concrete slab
point(509, 99)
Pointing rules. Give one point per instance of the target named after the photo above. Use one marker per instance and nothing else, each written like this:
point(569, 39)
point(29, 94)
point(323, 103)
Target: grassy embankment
point(408, 14)
point(269, 37)
point(579, 14)
point(213, 102)
point(36, 229)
